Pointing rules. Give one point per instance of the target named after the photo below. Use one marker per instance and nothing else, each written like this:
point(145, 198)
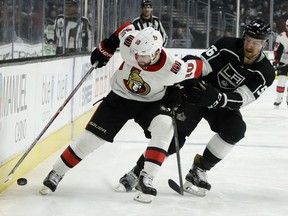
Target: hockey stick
point(10, 175)
point(177, 147)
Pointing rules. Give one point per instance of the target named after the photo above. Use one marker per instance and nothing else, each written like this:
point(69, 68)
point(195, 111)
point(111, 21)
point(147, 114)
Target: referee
point(146, 19)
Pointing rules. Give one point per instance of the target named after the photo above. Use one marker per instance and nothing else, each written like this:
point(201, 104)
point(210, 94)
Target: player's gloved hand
point(173, 97)
point(101, 55)
point(193, 90)
point(275, 65)
point(204, 95)
point(211, 98)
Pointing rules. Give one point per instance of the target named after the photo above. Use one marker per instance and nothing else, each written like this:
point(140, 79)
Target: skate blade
point(143, 198)
point(194, 190)
point(276, 107)
point(44, 190)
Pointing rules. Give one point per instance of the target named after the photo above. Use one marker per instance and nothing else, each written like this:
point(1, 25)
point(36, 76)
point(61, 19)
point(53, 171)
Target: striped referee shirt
point(154, 22)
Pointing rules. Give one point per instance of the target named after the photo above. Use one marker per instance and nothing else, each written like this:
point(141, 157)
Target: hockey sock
point(161, 134)
point(216, 150)
point(86, 143)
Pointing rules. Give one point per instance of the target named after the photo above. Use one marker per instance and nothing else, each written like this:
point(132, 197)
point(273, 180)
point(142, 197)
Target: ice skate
point(196, 180)
point(276, 105)
point(146, 192)
point(127, 182)
point(50, 183)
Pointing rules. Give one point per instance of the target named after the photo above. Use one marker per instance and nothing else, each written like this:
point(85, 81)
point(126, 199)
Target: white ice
point(251, 181)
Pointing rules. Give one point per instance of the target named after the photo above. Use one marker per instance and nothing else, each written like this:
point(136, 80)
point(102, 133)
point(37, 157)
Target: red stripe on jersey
point(155, 155)
point(199, 68)
point(275, 53)
point(69, 158)
point(121, 66)
point(280, 89)
point(122, 27)
point(158, 65)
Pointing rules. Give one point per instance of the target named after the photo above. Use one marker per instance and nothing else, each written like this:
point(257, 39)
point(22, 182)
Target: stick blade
point(174, 186)
point(9, 178)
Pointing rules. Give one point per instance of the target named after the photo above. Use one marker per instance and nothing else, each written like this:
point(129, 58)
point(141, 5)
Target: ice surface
point(251, 181)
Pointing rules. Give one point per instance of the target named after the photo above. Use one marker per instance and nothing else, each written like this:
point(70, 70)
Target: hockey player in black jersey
point(235, 73)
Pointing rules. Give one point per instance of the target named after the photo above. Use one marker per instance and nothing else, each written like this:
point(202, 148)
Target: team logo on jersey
point(176, 67)
point(136, 84)
point(229, 78)
point(181, 116)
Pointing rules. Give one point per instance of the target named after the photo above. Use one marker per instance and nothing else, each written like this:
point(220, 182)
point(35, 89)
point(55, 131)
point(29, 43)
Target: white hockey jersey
point(281, 48)
point(149, 84)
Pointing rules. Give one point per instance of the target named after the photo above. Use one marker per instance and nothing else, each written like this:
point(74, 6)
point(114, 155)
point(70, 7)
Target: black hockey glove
point(275, 65)
point(280, 68)
point(193, 90)
point(204, 95)
point(101, 55)
point(173, 97)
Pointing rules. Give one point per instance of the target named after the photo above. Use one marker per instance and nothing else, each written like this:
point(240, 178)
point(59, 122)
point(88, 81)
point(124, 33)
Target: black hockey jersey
point(225, 70)
point(154, 22)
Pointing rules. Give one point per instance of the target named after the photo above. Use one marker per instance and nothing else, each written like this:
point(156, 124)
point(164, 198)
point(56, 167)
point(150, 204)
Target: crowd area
point(21, 23)
point(254, 9)
point(26, 21)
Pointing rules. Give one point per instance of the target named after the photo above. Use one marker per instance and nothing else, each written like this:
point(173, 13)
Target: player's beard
point(143, 64)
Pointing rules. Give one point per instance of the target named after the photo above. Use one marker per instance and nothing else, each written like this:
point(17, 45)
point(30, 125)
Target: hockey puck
point(22, 181)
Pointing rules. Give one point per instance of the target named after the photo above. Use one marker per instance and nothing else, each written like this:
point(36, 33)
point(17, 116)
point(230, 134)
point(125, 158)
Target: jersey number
point(211, 51)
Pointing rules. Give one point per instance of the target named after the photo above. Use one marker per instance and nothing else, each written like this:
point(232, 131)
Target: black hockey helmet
point(72, 2)
point(146, 2)
point(258, 29)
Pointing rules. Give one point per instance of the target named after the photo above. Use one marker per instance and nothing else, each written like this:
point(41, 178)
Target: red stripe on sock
point(155, 155)
point(69, 158)
point(280, 89)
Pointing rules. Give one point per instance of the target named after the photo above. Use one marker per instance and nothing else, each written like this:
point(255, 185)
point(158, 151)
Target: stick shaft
point(177, 147)
point(51, 121)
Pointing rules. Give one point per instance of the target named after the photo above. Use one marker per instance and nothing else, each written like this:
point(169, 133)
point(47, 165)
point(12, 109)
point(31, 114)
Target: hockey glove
point(282, 69)
point(193, 90)
point(204, 95)
point(100, 54)
point(275, 65)
point(173, 97)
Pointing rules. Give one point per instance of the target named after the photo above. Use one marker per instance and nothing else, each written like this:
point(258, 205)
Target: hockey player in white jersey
point(281, 65)
point(137, 86)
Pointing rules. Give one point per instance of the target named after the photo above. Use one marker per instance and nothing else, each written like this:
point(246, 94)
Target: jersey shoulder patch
point(128, 40)
point(176, 67)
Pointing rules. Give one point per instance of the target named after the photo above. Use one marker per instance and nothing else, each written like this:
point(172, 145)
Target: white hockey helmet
point(147, 42)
